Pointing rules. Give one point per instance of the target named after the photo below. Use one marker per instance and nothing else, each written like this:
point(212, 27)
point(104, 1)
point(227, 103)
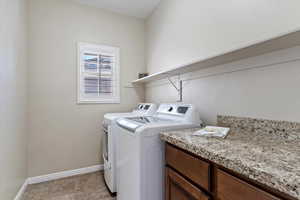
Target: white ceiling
point(136, 8)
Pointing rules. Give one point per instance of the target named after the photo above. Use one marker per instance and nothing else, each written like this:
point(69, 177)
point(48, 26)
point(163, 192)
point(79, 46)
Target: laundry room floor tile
point(83, 187)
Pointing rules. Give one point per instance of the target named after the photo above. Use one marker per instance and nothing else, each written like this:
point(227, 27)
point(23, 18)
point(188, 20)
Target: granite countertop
point(273, 161)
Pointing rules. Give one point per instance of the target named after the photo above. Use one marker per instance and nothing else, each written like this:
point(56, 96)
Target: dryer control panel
point(173, 109)
point(178, 111)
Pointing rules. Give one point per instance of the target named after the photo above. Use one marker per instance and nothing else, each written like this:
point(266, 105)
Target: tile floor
point(83, 187)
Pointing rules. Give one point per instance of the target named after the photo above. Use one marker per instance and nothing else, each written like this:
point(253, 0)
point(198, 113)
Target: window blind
point(99, 77)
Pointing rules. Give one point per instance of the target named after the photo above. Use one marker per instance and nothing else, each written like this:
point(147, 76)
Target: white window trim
point(114, 100)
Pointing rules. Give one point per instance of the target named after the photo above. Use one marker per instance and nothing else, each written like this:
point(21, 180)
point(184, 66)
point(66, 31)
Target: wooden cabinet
point(178, 188)
point(232, 188)
point(189, 177)
point(193, 168)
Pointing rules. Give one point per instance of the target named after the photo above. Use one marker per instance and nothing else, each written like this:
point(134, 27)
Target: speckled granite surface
point(263, 150)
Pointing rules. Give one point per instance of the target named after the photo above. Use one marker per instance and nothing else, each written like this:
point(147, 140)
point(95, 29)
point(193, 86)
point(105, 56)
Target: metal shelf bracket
point(178, 88)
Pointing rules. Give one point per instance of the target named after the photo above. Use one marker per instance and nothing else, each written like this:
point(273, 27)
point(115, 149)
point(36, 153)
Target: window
point(98, 74)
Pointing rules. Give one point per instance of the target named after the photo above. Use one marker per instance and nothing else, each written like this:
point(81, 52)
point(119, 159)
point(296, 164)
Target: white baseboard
point(21, 191)
point(63, 174)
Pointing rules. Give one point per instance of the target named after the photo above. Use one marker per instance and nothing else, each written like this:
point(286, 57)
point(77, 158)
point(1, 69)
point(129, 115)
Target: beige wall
point(263, 86)
point(63, 134)
point(13, 99)
point(181, 31)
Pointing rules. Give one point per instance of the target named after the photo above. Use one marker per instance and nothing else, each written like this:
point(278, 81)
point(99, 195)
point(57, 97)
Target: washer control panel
point(145, 108)
point(182, 109)
point(173, 109)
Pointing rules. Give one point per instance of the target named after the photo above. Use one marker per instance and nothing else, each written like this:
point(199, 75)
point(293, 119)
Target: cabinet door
point(232, 188)
point(193, 168)
point(178, 188)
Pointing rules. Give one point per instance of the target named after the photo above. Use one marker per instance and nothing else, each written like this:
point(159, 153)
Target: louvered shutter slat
point(99, 77)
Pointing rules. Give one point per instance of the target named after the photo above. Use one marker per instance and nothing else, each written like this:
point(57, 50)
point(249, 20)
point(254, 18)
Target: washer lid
point(143, 109)
point(113, 116)
point(148, 119)
point(128, 124)
point(133, 123)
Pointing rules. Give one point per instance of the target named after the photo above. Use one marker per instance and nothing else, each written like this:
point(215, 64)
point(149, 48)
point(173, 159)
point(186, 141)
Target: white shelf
point(281, 42)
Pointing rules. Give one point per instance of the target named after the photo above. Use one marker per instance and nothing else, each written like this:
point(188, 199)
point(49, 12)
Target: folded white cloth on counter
point(212, 131)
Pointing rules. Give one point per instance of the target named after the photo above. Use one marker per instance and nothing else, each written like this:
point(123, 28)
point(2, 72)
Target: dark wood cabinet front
point(192, 167)
point(189, 177)
point(178, 188)
point(232, 188)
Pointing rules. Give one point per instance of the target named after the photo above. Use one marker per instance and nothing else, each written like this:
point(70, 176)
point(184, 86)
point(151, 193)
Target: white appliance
point(109, 141)
point(140, 152)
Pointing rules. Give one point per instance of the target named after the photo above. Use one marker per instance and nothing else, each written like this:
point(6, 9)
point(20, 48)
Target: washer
point(109, 141)
point(140, 152)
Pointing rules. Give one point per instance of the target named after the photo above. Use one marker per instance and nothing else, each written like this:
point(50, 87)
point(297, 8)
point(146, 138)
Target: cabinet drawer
point(232, 188)
point(193, 168)
point(178, 188)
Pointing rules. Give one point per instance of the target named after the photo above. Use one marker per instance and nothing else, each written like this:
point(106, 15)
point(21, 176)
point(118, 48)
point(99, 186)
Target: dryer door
point(105, 145)
point(108, 157)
